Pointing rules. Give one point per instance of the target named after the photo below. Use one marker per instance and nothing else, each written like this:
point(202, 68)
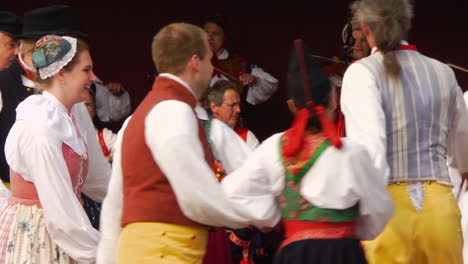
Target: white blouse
point(339, 179)
point(34, 150)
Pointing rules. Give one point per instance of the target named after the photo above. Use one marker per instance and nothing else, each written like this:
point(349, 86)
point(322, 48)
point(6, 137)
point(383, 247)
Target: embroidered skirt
point(24, 238)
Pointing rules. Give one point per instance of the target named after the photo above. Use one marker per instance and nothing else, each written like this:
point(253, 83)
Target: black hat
point(319, 84)
point(10, 23)
point(56, 20)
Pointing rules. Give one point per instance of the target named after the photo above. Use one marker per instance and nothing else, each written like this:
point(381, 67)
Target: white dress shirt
point(252, 140)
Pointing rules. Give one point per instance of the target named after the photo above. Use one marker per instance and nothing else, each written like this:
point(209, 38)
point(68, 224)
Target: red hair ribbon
point(295, 135)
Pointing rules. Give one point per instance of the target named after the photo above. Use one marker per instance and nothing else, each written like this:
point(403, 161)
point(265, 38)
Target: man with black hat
point(10, 27)
point(18, 80)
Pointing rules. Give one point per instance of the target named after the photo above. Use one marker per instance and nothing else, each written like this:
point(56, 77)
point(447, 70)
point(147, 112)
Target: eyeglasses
point(232, 105)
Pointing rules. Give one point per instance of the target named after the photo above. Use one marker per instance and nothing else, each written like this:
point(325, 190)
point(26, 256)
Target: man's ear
point(194, 62)
point(213, 107)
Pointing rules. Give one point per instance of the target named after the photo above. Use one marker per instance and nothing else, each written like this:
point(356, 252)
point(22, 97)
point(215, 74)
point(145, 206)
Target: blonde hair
point(27, 46)
point(389, 21)
point(175, 44)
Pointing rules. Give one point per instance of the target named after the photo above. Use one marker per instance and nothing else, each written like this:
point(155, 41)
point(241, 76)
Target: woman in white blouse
point(325, 189)
point(53, 156)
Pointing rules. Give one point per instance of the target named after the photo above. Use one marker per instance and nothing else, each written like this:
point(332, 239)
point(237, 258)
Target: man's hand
point(116, 88)
point(247, 78)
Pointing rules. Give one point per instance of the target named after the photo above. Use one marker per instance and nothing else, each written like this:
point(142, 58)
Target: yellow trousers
point(432, 235)
point(154, 243)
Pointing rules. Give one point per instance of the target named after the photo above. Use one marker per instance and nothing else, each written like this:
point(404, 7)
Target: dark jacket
point(13, 92)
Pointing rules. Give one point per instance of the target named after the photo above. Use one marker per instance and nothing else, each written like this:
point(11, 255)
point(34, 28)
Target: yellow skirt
point(161, 243)
point(432, 235)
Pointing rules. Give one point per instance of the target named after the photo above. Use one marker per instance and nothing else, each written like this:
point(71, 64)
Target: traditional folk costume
point(53, 155)
point(17, 81)
point(225, 145)
point(410, 126)
point(293, 176)
point(170, 191)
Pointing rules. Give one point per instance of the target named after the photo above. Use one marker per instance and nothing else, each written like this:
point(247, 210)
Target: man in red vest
point(225, 104)
point(171, 194)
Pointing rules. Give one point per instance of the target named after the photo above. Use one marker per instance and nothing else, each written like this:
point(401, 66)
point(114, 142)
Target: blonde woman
point(53, 156)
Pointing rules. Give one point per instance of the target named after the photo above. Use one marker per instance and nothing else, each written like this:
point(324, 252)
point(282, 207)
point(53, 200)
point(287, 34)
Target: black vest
point(13, 92)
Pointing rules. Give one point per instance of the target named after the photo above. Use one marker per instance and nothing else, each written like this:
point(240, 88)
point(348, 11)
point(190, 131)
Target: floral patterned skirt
point(24, 238)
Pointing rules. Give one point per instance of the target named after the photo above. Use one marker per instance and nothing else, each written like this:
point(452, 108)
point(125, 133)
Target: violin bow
point(457, 67)
point(329, 59)
point(229, 76)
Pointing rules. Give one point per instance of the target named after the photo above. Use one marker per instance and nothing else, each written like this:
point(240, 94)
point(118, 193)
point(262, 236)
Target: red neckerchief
point(27, 72)
point(402, 47)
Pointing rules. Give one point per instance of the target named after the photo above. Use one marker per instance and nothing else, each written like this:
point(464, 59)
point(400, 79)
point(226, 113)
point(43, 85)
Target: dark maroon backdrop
point(120, 34)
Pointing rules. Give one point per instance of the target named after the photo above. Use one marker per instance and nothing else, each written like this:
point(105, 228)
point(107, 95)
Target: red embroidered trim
point(236, 240)
point(246, 248)
point(402, 47)
point(299, 230)
point(27, 73)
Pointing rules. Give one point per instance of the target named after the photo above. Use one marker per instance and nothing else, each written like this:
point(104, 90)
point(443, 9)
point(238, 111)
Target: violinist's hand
point(247, 78)
point(116, 88)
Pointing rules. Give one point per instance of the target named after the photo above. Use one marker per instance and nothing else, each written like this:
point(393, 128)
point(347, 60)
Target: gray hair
point(216, 92)
point(389, 21)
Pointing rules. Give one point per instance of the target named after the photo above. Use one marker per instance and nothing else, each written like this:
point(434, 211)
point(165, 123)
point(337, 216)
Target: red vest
point(148, 196)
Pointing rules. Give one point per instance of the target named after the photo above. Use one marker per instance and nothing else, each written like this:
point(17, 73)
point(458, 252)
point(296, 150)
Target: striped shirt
point(410, 124)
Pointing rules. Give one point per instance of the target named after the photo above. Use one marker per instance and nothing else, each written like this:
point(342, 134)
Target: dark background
point(120, 35)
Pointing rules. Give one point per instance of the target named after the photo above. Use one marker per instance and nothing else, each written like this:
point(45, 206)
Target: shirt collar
point(179, 80)
point(224, 54)
point(201, 113)
point(54, 100)
point(403, 42)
